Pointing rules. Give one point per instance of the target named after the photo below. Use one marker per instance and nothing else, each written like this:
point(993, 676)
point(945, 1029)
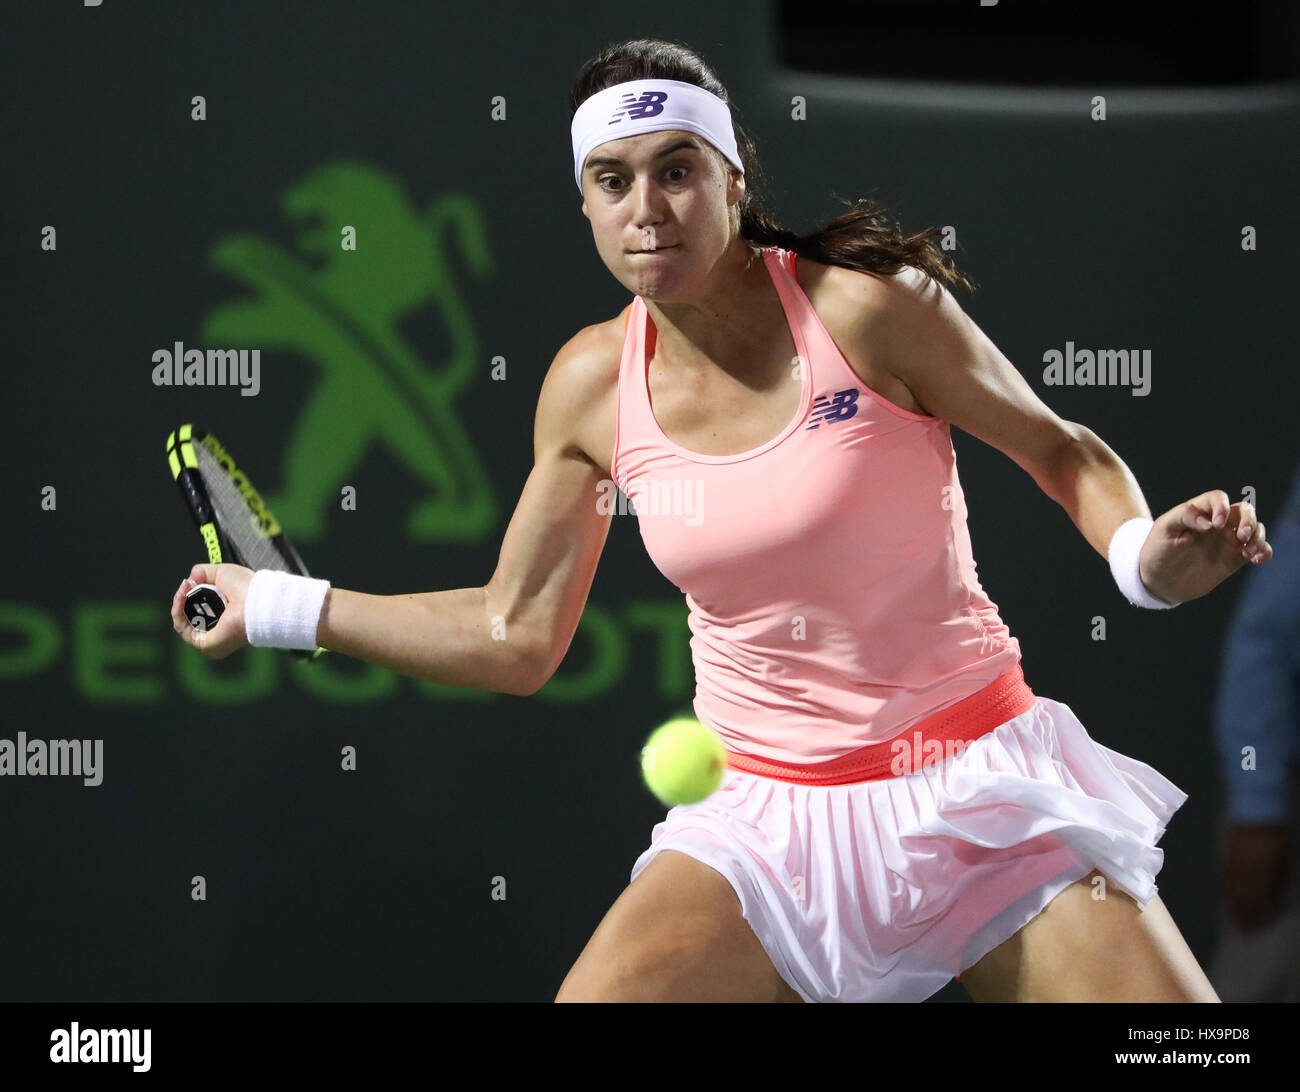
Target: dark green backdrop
point(378, 884)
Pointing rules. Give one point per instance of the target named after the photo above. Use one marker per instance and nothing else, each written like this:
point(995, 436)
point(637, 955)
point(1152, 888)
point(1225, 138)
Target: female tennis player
point(899, 807)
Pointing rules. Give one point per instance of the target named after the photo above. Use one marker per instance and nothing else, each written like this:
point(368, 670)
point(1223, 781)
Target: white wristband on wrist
point(1125, 548)
point(282, 610)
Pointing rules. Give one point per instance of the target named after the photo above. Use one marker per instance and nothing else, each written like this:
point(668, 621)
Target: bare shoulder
point(849, 294)
point(577, 406)
point(851, 305)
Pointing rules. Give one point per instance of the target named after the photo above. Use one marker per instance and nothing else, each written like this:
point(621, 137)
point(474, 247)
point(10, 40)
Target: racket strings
point(236, 519)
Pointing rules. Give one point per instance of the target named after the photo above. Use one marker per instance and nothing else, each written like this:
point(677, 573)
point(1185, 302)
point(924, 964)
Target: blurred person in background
point(1257, 957)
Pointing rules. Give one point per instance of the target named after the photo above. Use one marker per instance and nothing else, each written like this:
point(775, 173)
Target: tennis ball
point(683, 761)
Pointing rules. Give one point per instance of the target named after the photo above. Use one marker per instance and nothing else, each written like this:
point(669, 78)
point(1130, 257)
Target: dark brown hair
point(864, 238)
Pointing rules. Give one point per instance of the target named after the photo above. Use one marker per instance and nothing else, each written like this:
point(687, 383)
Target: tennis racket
point(235, 523)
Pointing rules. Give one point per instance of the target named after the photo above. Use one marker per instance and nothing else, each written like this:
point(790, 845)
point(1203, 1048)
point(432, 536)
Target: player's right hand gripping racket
point(234, 521)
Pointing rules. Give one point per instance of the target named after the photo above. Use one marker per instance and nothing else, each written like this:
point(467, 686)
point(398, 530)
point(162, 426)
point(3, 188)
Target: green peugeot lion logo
point(340, 309)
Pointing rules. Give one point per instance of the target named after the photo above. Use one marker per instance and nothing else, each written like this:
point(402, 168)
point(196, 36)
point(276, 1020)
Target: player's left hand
point(1197, 545)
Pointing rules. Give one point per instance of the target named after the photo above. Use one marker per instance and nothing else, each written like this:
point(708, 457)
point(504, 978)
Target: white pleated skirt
point(885, 890)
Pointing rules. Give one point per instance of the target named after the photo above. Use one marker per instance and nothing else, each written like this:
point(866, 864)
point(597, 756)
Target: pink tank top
point(833, 597)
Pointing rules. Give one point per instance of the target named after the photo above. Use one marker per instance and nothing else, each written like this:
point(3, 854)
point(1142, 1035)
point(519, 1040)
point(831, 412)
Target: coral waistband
point(925, 743)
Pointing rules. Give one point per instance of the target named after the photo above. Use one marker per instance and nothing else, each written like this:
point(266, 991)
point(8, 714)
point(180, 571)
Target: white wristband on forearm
point(282, 609)
point(1125, 548)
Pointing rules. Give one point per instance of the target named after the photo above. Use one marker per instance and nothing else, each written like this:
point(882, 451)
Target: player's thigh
point(676, 933)
point(1083, 948)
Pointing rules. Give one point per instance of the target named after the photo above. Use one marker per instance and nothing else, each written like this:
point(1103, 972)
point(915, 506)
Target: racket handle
point(204, 605)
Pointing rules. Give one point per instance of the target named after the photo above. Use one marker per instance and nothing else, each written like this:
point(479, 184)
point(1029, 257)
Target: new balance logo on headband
point(647, 106)
point(829, 410)
point(651, 106)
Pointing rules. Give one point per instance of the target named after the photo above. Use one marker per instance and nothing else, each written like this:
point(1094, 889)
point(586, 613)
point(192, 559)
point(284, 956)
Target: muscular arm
point(511, 634)
point(1095, 487)
point(442, 636)
point(919, 333)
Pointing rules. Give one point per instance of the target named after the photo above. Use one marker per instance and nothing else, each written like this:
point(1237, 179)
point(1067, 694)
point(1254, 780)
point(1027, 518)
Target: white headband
point(651, 106)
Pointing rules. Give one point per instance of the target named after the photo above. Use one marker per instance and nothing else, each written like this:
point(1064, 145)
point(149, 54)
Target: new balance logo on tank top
point(832, 592)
